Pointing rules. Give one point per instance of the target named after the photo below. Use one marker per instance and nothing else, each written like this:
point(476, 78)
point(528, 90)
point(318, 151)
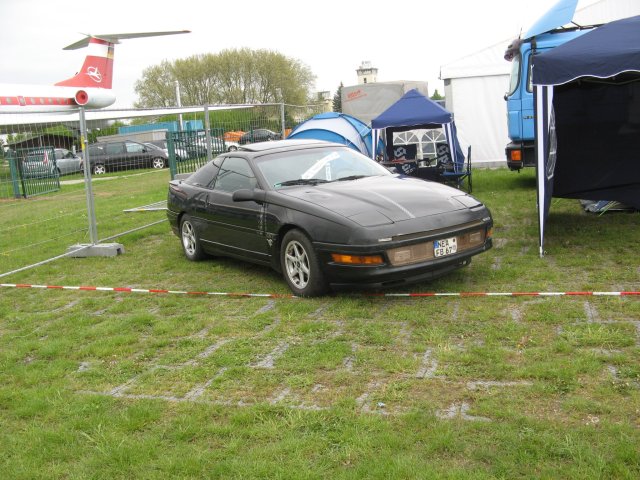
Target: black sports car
point(325, 216)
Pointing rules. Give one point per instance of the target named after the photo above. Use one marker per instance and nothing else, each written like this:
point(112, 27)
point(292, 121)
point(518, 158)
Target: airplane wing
point(15, 122)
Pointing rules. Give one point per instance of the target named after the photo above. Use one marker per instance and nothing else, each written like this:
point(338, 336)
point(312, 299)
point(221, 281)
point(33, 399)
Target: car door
point(237, 227)
point(62, 164)
point(114, 155)
point(136, 155)
point(66, 161)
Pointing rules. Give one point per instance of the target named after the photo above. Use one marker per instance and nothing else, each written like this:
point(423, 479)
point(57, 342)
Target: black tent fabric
point(602, 53)
point(587, 100)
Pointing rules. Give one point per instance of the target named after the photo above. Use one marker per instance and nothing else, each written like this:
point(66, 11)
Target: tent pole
point(374, 138)
point(543, 104)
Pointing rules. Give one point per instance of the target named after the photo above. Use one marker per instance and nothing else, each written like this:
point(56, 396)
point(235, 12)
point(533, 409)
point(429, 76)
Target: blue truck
point(545, 34)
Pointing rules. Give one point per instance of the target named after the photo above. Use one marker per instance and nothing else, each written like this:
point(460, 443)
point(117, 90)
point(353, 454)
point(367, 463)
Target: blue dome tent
point(336, 127)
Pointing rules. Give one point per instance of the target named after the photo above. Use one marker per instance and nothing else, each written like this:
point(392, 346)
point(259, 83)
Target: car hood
point(384, 200)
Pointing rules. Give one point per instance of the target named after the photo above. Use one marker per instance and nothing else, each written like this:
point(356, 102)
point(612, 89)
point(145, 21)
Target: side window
point(96, 151)
point(114, 148)
point(235, 173)
point(134, 147)
point(204, 176)
point(529, 75)
point(514, 79)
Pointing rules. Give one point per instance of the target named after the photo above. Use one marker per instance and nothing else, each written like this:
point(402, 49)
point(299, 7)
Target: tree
point(231, 76)
point(436, 95)
point(337, 99)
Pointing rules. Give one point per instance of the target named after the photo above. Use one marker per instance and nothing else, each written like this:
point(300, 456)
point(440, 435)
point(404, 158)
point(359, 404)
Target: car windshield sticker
point(316, 167)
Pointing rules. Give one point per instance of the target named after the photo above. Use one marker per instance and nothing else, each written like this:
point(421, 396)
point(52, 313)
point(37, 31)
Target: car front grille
point(421, 252)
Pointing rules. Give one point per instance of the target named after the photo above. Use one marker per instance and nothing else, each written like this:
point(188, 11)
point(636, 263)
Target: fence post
point(207, 132)
point(171, 147)
point(282, 119)
point(91, 211)
point(13, 169)
point(94, 249)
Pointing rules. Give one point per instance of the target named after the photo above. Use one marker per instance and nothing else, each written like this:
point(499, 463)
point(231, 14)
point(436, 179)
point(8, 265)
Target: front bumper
point(388, 275)
point(525, 151)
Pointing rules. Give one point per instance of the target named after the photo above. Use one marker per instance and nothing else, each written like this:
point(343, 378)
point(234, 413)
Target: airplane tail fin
point(97, 69)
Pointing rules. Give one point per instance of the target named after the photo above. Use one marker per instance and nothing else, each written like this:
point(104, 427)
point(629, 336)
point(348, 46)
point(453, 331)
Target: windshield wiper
point(351, 177)
point(301, 181)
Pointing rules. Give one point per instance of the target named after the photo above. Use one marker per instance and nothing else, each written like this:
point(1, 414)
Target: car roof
point(285, 145)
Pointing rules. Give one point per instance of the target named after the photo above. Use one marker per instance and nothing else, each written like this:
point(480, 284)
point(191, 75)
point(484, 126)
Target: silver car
point(49, 162)
point(67, 162)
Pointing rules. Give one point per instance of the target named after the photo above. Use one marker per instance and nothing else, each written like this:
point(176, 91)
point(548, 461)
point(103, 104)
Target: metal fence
point(33, 171)
point(49, 201)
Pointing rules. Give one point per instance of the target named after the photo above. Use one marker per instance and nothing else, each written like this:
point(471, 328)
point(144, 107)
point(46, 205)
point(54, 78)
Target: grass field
point(131, 385)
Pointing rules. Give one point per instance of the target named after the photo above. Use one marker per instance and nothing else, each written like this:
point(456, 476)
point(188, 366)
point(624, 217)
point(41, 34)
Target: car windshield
point(315, 166)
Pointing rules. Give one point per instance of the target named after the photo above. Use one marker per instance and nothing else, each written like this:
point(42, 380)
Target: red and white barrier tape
point(144, 290)
point(276, 295)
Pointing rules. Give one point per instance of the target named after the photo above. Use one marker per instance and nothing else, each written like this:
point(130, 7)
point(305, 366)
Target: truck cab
point(545, 34)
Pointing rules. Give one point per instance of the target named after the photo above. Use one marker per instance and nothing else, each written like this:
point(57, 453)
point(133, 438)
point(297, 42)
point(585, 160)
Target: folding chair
point(453, 173)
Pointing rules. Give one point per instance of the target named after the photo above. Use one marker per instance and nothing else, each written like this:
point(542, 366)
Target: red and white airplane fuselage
point(90, 87)
point(42, 98)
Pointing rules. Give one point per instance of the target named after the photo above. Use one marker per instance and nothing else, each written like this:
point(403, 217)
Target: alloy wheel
point(297, 264)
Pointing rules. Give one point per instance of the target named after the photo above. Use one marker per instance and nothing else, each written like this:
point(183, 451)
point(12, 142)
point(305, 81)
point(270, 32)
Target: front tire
point(158, 163)
point(300, 265)
point(189, 239)
point(99, 169)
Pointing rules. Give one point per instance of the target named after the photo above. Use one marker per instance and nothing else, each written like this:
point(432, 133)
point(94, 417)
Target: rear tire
point(99, 169)
point(189, 240)
point(300, 265)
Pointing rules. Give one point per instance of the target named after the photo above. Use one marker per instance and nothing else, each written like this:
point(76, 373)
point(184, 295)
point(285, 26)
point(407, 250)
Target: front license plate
point(444, 247)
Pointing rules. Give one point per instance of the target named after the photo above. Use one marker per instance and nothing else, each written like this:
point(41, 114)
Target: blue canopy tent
point(336, 127)
point(415, 111)
point(587, 109)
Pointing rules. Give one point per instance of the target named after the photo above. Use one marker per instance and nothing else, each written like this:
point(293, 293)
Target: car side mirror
point(245, 195)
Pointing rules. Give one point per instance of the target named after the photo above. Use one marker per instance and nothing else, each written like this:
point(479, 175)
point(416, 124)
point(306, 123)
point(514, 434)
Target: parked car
point(325, 216)
point(180, 148)
point(41, 162)
point(230, 146)
point(196, 146)
point(218, 145)
point(122, 155)
point(259, 135)
point(67, 162)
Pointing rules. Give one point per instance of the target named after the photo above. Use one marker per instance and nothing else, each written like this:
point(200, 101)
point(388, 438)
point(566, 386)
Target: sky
point(404, 40)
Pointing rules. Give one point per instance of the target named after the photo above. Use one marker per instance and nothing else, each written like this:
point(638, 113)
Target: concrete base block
point(97, 250)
